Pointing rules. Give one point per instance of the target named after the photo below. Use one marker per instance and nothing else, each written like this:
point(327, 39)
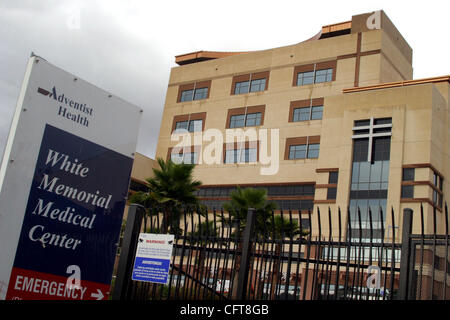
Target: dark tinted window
point(333, 177)
point(331, 193)
point(408, 174)
point(408, 192)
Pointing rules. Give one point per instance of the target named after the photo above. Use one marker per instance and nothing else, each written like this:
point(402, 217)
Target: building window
point(314, 73)
point(313, 151)
point(407, 191)
point(331, 193)
point(242, 87)
point(437, 195)
point(187, 158)
point(190, 126)
point(332, 180)
point(303, 151)
point(237, 121)
point(245, 117)
point(241, 155)
point(186, 95)
point(136, 186)
point(325, 75)
point(305, 224)
point(370, 176)
point(308, 113)
point(333, 177)
point(369, 185)
point(372, 129)
point(250, 86)
point(304, 78)
point(318, 76)
point(297, 152)
point(245, 120)
point(187, 155)
point(253, 82)
point(305, 110)
point(258, 85)
point(194, 91)
point(408, 174)
point(253, 119)
point(193, 122)
point(302, 148)
point(295, 196)
point(194, 94)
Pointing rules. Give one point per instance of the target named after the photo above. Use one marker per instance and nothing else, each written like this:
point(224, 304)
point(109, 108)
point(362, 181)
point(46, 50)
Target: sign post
point(153, 254)
point(63, 185)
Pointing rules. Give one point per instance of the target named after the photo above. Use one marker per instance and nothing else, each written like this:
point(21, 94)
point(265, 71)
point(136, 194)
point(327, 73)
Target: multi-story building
point(333, 121)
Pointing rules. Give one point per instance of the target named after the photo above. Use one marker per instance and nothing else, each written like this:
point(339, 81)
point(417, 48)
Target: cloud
point(99, 51)
point(128, 47)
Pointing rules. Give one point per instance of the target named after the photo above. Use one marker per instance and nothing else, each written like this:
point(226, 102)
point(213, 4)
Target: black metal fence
point(340, 259)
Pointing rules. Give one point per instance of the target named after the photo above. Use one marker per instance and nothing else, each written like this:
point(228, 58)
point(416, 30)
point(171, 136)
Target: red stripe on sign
point(32, 285)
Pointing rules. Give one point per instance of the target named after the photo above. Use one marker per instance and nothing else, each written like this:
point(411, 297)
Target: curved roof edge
point(198, 56)
point(398, 84)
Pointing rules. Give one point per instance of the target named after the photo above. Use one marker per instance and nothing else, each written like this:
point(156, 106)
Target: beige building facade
point(336, 121)
point(142, 170)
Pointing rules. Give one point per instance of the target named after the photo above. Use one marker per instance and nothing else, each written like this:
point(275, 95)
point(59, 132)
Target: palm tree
point(172, 189)
point(241, 201)
point(267, 224)
point(280, 228)
point(203, 235)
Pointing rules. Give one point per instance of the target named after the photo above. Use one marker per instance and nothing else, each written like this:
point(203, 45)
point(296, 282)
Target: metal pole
point(405, 254)
point(130, 238)
point(246, 252)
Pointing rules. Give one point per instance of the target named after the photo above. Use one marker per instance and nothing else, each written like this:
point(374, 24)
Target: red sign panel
point(31, 285)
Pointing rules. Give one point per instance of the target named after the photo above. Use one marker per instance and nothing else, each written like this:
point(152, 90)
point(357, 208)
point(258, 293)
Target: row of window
point(272, 190)
point(296, 148)
point(248, 118)
point(244, 155)
point(302, 205)
point(257, 82)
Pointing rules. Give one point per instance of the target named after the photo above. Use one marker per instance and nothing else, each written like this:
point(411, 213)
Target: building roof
point(199, 56)
point(398, 84)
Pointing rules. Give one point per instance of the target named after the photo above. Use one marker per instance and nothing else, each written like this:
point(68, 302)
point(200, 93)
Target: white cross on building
point(372, 127)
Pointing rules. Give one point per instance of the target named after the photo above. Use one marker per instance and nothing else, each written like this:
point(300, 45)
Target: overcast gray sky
point(127, 47)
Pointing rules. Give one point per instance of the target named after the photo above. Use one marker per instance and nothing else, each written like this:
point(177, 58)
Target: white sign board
point(153, 255)
point(64, 178)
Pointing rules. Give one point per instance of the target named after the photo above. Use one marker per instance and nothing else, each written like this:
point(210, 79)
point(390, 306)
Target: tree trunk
point(275, 271)
point(237, 266)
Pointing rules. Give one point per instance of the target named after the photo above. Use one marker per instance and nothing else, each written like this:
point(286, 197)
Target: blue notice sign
point(153, 255)
point(151, 270)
